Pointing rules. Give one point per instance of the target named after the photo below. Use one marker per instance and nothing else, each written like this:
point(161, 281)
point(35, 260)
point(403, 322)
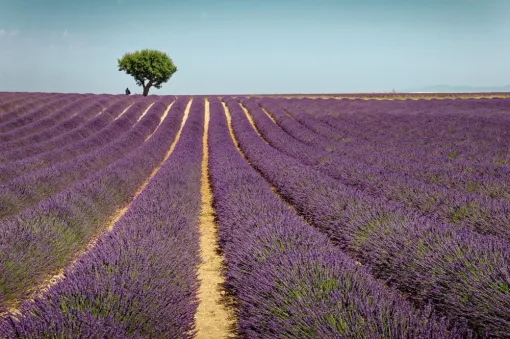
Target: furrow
point(214, 319)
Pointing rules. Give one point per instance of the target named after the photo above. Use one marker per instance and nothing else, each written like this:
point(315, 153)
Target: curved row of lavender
point(10, 100)
point(67, 145)
point(43, 130)
point(36, 148)
point(289, 280)
point(343, 135)
point(39, 112)
point(55, 116)
point(140, 280)
point(435, 126)
point(126, 134)
point(42, 239)
point(8, 103)
point(14, 107)
point(478, 134)
point(463, 274)
point(67, 118)
point(489, 180)
point(492, 162)
point(485, 216)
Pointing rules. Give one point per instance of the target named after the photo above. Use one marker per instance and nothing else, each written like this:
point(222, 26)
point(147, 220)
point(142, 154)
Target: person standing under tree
point(128, 92)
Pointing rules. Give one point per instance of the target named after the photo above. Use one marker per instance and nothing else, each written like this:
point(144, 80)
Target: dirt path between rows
point(214, 319)
point(59, 276)
point(124, 111)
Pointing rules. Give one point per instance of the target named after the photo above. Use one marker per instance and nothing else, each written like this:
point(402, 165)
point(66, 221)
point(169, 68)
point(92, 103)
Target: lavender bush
point(30, 188)
point(43, 238)
point(365, 144)
point(476, 212)
point(140, 280)
point(51, 152)
point(80, 112)
point(289, 280)
point(39, 112)
point(430, 261)
point(10, 102)
point(343, 219)
point(22, 104)
point(53, 118)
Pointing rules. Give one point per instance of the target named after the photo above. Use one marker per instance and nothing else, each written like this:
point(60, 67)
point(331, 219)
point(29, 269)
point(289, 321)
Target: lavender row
point(289, 280)
point(54, 117)
point(472, 127)
point(38, 112)
point(75, 110)
point(64, 119)
point(7, 99)
point(28, 189)
point(478, 213)
point(463, 274)
point(38, 242)
point(140, 280)
point(71, 144)
point(468, 210)
point(429, 149)
point(375, 130)
point(125, 120)
point(490, 165)
point(21, 105)
point(372, 153)
point(9, 103)
point(439, 123)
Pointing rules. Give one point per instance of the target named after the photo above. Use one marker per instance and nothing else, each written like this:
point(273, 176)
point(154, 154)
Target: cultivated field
point(254, 217)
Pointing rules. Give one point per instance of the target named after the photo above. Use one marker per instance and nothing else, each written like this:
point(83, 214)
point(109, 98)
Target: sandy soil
point(270, 116)
point(214, 319)
point(124, 111)
point(161, 121)
point(250, 118)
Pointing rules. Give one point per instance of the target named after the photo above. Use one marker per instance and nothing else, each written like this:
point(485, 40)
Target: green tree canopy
point(149, 67)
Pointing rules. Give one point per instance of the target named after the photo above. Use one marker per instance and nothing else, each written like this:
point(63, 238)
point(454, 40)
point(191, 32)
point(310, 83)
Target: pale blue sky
point(279, 46)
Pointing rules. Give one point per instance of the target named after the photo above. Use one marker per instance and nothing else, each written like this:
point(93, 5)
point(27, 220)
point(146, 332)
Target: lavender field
point(326, 217)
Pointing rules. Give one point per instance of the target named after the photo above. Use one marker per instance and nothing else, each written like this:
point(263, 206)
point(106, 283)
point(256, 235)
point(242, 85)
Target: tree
point(149, 67)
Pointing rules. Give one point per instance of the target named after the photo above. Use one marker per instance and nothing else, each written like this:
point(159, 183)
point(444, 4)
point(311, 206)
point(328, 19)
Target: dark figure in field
point(128, 92)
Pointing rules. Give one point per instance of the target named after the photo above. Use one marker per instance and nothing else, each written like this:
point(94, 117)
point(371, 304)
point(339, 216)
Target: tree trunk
point(146, 88)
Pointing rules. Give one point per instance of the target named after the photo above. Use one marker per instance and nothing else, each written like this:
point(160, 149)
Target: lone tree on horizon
point(149, 67)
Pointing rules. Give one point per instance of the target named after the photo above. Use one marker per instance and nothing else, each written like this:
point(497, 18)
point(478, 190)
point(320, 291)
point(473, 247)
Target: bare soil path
point(214, 318)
